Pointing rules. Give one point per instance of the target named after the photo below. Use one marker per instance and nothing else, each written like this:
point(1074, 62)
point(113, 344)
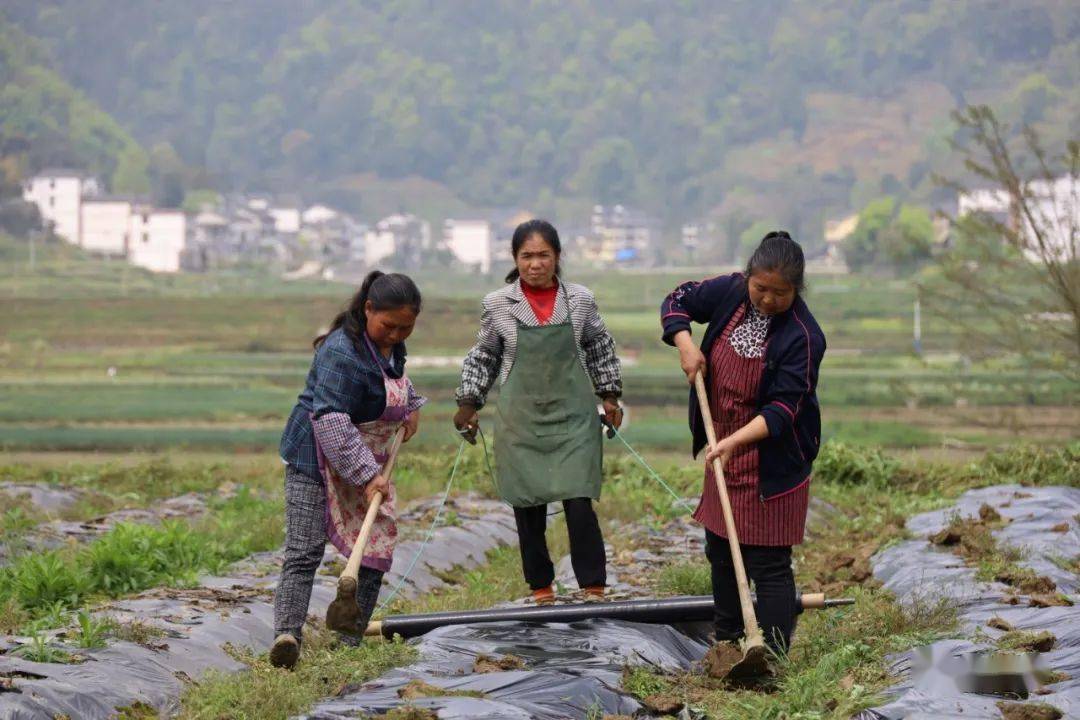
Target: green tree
point(908, 240)
point(608, 172)
point(861, 247)
point(132, 174)
point(890, 235)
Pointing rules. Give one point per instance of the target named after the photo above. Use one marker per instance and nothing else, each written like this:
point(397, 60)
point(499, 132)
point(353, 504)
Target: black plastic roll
point(692, 608)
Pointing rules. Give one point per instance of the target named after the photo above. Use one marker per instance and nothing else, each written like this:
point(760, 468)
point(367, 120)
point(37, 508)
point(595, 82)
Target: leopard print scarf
point(748, 338)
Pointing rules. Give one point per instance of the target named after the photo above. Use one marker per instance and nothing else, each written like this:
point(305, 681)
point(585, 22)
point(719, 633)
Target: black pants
point(769, 568)
point(586, 544)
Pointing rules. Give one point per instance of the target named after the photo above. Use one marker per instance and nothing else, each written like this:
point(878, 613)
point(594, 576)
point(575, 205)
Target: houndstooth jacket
point(496, 344)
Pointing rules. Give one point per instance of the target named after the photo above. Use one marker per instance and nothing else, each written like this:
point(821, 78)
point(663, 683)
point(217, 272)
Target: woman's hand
point(412, 423)
point(691, 358)
point(613, 412)
point(466, 421)
point(377, 484)
point(722, 450)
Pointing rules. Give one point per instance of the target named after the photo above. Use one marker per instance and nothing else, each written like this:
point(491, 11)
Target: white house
point(106, 224)
point(470, 241)
point(1055, 209)
point(318, 214)
point(286, 219)
point(157, 239)
point(58, 195)
point(403, 236)
point(379, 244)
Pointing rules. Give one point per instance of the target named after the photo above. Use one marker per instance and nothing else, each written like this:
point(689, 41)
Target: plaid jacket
point(496, 345)
point(343, 387)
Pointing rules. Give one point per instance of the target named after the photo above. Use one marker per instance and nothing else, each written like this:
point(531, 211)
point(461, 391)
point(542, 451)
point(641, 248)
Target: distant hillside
point(46, 122)
point(784, 110)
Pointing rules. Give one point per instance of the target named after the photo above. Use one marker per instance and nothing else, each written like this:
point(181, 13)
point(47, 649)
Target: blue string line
point(430, 532)
point(656, 476)
point(487, 461)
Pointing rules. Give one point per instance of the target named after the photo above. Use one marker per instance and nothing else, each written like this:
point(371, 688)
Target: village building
point(836, 232)
point(157, 239)
point(1055, 215)
point(471, 243)
point(619, 235)
point(58, 194)
point(106, 225)
point(401, 237)
point(286, 219)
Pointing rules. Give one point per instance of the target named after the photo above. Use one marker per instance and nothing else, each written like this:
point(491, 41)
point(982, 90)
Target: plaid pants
point(305, 542)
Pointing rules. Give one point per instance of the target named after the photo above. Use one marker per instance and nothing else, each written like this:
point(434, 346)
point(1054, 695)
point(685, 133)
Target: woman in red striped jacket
point(760, 356)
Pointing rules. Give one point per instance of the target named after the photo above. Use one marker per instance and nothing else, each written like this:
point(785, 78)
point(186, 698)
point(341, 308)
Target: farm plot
point(137, 652)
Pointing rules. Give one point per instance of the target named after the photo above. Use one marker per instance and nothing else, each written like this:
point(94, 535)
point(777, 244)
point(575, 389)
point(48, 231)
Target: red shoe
point(544, 596)
point(594, 593)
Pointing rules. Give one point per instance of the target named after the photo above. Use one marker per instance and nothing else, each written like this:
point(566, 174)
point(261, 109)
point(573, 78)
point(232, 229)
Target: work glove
point(466, 422)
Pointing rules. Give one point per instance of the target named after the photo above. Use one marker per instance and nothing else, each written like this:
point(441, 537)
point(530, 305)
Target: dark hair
point(386, 292)
point(526, 230)
point(779, 253)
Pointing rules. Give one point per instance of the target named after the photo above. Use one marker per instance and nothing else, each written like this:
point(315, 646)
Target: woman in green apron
point(546, 344)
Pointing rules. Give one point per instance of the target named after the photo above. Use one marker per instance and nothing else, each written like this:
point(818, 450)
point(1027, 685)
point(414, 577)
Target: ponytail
point(385, 292)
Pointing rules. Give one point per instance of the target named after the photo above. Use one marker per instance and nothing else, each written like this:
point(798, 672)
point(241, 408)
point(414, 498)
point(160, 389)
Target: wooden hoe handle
point(753, 632)
point(352, 568)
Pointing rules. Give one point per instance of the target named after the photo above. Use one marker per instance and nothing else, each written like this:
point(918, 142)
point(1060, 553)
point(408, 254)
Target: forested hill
point(46, 122)
point(785, 108)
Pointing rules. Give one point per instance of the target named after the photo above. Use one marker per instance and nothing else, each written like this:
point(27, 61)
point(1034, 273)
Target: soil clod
point(1028, 711)
point(1028, 641)
point(419, 689)
point(1049, 600)
point(1026, 581)
point(663, 704)
point(489, 664)
point(721, 658)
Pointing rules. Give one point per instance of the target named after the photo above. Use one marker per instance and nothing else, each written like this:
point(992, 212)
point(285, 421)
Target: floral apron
point(345, 502)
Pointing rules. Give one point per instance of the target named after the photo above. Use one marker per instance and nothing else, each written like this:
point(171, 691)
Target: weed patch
point(130, 558)
point(39, 649)
point(137, 632)
point(685, 578)
point(263, 692)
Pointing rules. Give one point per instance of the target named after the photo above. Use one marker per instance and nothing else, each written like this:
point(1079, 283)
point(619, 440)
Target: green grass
point(215, 361)
point(104, 487)
point(84, 402)
point(693, 577)
point(266, 693)
point(130, 557)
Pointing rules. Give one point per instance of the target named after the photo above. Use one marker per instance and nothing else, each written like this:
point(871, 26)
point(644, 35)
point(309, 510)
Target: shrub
point(1030, 465)
point(847, 465)
point(41, 581)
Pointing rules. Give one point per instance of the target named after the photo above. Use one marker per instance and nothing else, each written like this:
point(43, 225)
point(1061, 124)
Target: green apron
point(548, 437)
